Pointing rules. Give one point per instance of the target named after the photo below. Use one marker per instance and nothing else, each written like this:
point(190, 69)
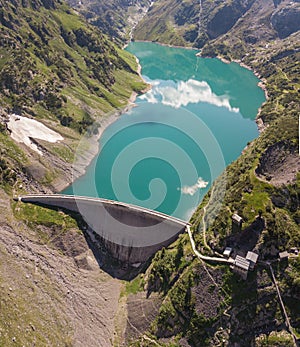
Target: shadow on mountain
point(247, 239)
point(107, 262)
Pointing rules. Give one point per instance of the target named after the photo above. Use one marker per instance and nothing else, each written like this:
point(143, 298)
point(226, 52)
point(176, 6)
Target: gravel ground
point(67, 297)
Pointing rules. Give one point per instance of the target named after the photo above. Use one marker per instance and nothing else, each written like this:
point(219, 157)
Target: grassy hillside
point(59, 70)
point(54, 65)
point(56, 68)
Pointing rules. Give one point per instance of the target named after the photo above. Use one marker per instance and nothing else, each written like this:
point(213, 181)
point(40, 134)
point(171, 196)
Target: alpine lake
point(165, 153)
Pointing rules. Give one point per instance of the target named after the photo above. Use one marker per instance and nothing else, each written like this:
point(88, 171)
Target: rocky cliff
point(115, 17)
point(196, 22)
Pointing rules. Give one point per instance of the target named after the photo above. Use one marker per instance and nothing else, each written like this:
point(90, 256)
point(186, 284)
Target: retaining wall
point(131, 233)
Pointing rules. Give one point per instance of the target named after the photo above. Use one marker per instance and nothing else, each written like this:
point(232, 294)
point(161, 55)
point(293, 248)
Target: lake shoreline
point(88, 147)
point(261, 84)
point(88, 153)
point(166, 45)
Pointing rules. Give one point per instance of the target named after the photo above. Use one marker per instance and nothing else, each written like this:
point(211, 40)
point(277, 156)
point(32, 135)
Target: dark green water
point(165, 153)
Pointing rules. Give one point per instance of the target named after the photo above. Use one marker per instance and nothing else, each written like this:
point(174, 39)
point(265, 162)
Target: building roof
point(283, 255)
point(242, 262)
point(236, 218)
point(227, 251)
point(252, 257)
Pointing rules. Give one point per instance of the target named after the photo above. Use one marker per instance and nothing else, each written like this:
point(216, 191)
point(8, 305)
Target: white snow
point(23, 129)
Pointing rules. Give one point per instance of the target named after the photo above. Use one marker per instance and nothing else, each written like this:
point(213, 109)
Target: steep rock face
point(197, 22)
point(286, 20)
point(226, 17)
point(114, 17)
point(193, 22)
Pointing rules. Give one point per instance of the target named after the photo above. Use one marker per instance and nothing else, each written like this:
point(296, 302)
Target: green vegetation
point(58, 69)
point(12, 160)
point(54, 65)
point(134, 286)
point(167, 265)
point(276, 340)
point(36, 217)
point(10, 149)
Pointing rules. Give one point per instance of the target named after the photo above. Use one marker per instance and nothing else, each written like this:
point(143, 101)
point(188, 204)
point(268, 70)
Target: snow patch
point(23, 129)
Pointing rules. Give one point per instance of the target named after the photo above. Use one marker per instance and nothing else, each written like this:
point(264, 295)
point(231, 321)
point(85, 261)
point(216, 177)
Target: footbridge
point(131, 233)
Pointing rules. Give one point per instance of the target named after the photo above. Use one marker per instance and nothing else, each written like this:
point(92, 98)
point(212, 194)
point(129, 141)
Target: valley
point(56, 287)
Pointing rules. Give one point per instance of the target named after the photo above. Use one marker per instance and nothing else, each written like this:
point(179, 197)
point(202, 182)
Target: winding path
point(196, 252)
point(205, 257)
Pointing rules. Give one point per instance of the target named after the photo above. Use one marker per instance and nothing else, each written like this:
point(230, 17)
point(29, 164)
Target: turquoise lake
point(165, 153)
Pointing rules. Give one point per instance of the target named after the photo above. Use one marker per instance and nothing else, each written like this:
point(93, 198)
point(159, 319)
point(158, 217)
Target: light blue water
point(165, 153)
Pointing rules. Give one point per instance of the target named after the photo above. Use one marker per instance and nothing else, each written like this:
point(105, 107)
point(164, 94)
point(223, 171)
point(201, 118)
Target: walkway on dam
point(43, 198)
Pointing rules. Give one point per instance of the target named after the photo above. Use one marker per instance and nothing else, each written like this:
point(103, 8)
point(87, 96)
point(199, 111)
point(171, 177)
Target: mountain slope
point(49, 53)
point(196, 22)
point(114, 17)
point(57, 70)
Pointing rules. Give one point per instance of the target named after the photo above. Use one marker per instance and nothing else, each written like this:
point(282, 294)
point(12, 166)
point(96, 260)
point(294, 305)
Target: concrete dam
point(130, 233)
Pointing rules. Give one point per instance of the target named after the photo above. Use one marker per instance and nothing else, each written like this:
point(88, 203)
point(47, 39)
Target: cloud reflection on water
point(191, 190)
point(178, 94)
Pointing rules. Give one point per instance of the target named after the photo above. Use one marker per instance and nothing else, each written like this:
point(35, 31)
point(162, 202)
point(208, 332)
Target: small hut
point(227, 252)
point(283, 255)
point(237, 222)
point(252, 257)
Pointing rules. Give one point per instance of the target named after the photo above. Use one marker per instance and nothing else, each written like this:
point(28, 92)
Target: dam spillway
point(131, 234)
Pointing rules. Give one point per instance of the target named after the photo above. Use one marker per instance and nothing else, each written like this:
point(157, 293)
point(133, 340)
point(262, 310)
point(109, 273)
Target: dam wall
point(130, 233)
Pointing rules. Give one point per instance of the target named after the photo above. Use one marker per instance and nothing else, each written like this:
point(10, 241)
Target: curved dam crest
point(131, 233)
